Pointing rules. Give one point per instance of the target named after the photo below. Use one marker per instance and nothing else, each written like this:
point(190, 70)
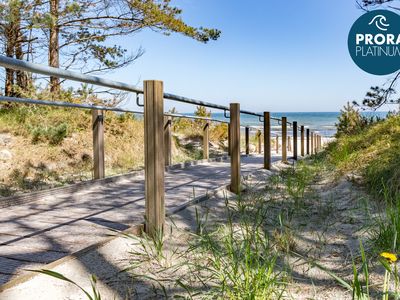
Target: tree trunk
point(10, 47)
point(54, 55)
point(21, 76)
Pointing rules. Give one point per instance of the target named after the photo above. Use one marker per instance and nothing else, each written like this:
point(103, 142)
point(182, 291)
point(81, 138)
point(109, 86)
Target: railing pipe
point(16, 64)
point(66, 104)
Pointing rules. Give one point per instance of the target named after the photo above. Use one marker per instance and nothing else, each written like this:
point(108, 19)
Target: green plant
point(351, 121)
point(53, 134)
point(93, 282)
point(386, 230)
point(359, 289)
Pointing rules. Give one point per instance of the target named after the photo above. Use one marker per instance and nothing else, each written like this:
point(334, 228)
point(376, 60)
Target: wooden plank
point(154, 156)
point(206, 140)
point(259, 141)
point(289, 143)
point(277, 144)
point(235, 147)
point(267, 140)
point(302, 140)
point(247, 140)
point(295, 140)
point(98, 143)
point(308, 141)
point(168, 140)
point(284, 139)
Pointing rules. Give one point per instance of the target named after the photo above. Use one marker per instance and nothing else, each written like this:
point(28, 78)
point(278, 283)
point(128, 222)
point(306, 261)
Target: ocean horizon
point(321, 122)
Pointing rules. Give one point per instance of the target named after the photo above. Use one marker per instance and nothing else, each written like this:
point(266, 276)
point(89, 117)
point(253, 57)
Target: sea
point(321, 122)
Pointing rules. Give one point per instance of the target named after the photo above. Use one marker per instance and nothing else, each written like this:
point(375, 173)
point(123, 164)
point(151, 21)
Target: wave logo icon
point(380, 22)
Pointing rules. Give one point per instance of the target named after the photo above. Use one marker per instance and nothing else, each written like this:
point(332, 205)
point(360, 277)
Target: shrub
point(350, 121)
point(53, 134)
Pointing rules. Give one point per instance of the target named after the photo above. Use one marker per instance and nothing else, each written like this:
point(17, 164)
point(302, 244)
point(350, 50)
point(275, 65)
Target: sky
point(278, 56)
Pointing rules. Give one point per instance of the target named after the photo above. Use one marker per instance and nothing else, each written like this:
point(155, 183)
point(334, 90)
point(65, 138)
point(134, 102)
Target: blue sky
point(272, 55)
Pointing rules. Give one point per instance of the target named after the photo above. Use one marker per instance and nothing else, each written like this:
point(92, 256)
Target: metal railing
point(158, 132)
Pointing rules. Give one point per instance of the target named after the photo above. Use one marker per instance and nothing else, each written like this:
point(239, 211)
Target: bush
point(53, 134)
point(350, 121)
point(373, 152)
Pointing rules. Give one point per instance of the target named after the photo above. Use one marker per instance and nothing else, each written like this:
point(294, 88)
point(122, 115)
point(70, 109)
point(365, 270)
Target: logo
point(379, 23)
point(374, 42)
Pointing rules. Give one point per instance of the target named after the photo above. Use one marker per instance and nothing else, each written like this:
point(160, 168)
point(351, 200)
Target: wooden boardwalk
point(49, 228)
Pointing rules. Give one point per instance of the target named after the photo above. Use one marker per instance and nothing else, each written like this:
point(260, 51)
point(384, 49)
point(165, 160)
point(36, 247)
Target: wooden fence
point(158, 134)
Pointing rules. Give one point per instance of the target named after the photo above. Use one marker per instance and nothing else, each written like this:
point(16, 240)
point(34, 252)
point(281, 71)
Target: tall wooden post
point(267, 140)
point(277, 144)
point(167, 140)
point(295, 140)
point(289, 144)
point(284, 139)
point(308, 141)
point(302, 140)
point(235, 147)
point(98, 143)
point(259, 141)
point(229, 139)
point(312, 142)
point(154, 160)
point(247, 138)
point(206, 140)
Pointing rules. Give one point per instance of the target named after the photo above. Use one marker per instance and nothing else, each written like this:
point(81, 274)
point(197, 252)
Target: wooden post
point(206, 140)
point(247, 138)
point(277, 144)
point(267, 140)
point(308, 141)
point(312, 142)
point(315, 143)
point(289, 144)
point(295, 140)
point(167, 140)
point(302, 140)
point(235, 147)
point(98, 143)
point(154, 160)
point(259, 141)
point(229, 139)
point(284, 139)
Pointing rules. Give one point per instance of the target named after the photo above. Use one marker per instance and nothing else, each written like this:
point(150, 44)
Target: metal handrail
point(21, 65)
point(194, 117)
point(16, 64)
point(65, 104)
point(99, 107)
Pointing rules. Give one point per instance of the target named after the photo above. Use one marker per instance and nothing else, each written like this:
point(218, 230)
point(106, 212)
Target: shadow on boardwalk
point(40, 232)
